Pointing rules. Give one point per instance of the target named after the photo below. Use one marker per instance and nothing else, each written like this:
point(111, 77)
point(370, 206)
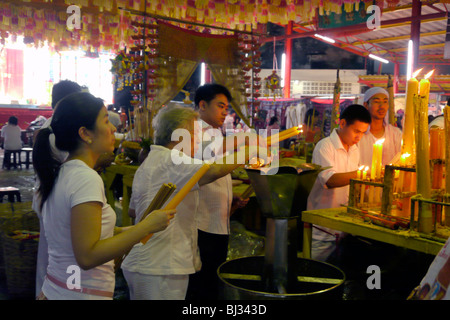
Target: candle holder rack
point(432, 226)
point(399, 205)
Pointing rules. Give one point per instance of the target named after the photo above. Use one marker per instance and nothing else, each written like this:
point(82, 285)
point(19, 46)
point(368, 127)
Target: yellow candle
point(363, 186)
point(447, 159)
point(180, 195)
point(380, 157)
point(402, 173)
point(424, 86)
point(364, 174)
point(358, 172)
point(423, 179)
point(412, 88)
point(377, 155)
point(283, 135)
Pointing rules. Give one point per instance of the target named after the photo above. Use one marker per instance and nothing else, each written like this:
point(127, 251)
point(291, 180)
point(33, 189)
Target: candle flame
point(416, 73)
point(381, 141)
point(405, 155)
point(360, 168)
point(428, 74)
point(367, 168)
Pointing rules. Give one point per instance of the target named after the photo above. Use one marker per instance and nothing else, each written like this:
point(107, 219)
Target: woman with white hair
point(159, 269)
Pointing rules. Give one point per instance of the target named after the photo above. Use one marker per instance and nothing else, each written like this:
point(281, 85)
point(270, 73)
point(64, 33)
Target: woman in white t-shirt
point(79, 225)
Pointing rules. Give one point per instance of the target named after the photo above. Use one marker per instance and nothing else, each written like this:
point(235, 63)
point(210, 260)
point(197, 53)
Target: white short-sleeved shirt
point(12, 135)
point(76, 184)
point(173, 250)
point(391, 145)
point(215, 198)
point(330, 152)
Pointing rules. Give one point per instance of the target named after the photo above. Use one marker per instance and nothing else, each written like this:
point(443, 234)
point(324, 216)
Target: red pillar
point(415, 32)
point(288, 65)
point(396, 72)
point(208, 76)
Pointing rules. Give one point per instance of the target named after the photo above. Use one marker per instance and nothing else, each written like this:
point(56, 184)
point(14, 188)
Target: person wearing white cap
point(376, 100)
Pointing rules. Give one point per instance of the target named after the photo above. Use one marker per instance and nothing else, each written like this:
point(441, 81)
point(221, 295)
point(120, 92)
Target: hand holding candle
point(175, 201)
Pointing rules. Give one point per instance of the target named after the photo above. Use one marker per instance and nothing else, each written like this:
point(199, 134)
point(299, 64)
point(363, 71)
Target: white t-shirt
point(173, 250)
point(330, 152)
point(76, 184)
point(12, 137)
point(391, 145)
point(215, 197)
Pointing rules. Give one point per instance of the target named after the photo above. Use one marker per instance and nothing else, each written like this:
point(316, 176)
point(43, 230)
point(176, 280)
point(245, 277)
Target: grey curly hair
point(170, 118)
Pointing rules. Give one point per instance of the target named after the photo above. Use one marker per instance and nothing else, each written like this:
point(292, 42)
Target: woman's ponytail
point(45, 165)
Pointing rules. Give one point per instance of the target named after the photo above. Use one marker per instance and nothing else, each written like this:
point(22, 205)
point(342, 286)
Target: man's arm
point(341, 179)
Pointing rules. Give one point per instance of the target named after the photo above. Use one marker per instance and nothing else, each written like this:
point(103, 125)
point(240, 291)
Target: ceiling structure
point(423, 22)
point(390, 41)
point(106, 23)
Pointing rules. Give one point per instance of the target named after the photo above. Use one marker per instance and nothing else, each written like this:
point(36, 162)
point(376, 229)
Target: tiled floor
point(401, 270)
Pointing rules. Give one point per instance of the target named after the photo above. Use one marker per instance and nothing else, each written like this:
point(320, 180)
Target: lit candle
point(283, 135)
point(401, 177)
point(358, 172)
point(424, 86)
point(377, 155)
point(364, 174)
point(412, 88)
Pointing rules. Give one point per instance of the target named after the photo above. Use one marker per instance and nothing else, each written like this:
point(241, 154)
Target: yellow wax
point(408, 129)
point(379, 159)
point(283, 135)
point(423, 179)
point(364, 174)
point(447, 160)
point(373, 170)
point(424, 89)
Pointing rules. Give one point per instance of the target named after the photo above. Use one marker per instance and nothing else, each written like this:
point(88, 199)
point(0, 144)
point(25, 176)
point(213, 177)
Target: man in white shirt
point(376, 100)
point(331, 188)
point(11, 135)
point(215, 199)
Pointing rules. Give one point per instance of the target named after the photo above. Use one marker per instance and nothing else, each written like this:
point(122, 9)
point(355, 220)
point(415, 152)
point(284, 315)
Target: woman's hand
point(159, 220)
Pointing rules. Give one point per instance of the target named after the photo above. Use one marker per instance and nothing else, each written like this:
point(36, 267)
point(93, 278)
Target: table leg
point(307, 240)
point(126, 219)
point(108, 178)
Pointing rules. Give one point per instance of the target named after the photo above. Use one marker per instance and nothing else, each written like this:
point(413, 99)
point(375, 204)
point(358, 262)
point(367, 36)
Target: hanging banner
point(349, 15)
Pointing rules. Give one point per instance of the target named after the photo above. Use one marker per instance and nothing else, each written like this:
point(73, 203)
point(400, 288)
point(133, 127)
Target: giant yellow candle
point(377, 155)
point(180, 195)
point(423, 179)
point(424, 86)
point(412, 88)
point(447, 159)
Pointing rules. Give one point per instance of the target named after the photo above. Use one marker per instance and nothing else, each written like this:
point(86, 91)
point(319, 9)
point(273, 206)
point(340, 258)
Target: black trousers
point(204, 284)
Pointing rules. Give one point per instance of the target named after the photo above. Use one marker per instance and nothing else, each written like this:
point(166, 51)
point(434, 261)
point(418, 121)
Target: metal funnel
point(282, 193)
